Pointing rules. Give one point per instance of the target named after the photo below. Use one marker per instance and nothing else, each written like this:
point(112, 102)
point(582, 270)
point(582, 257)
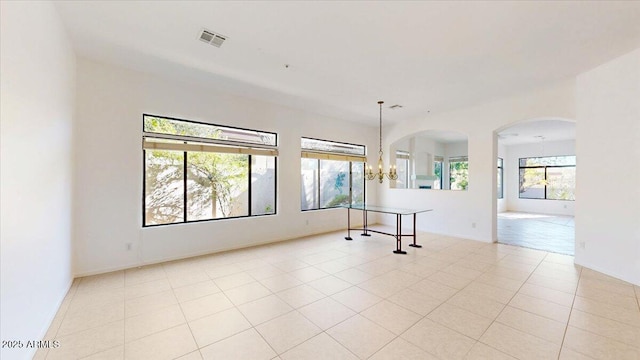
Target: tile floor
point(322, 297)
point(553, 233)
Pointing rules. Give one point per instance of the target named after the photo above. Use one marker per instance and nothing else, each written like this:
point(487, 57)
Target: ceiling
point(344, 56)
point(537, 132)
point(440, 136)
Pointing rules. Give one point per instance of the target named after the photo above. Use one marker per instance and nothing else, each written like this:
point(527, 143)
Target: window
point(437, 171)
point(195, 171)
point(551, 178)
point(459, 173)
point(500, 178)
point(402, 167)
point(332, 174)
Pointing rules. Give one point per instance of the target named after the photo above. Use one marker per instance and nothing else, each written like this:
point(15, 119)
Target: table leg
point(365, 220)
point(414, 233)
point(399, 235)
point(348, 237)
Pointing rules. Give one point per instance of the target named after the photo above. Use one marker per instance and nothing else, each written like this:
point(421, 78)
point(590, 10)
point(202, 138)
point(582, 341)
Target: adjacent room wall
point(36, 107)
point(608, 148)
point(512, 176)
point(108, 191)
point(472, 214)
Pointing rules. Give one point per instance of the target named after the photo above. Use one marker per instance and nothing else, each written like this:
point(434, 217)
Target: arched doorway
point(535, 182)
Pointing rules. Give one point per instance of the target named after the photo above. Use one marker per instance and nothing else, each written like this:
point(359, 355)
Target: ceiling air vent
point(212, 38)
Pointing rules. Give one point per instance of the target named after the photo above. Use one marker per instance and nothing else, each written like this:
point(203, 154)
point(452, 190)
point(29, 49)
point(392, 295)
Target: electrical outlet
point(473, 225)
point(582, 245)
point(307, 222)
point(129, 246)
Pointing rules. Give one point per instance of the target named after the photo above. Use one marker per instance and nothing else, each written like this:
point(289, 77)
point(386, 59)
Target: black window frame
point(318, 178)
point(500, 164)
point(545, 167)
point(185, 177)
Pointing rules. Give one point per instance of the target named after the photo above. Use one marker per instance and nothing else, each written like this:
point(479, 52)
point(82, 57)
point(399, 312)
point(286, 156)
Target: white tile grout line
point(566, 328)
point(425, 316)
point(507, 304)
point(474, 251)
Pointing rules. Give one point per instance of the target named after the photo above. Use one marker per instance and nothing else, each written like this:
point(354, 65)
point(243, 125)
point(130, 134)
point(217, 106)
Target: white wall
point(111, 101)
point(37, 106)
point(455, 212)
point(512, 176)
point(608, 148)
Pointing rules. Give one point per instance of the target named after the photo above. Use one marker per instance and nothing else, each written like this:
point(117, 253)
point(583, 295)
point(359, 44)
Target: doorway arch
point(534, 138)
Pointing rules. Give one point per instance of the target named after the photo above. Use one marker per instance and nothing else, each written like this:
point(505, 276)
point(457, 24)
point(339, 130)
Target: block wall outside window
point(331, 174)
point(196, 171)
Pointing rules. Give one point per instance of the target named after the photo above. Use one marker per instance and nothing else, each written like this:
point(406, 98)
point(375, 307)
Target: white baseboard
point(607, 272)
point(195, 254)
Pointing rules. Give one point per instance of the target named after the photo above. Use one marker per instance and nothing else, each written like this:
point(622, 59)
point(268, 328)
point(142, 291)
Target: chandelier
point(392, 174)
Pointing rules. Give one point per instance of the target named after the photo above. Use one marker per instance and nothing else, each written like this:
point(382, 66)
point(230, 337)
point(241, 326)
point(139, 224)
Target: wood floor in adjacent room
point(322, 297)
point(552, 233)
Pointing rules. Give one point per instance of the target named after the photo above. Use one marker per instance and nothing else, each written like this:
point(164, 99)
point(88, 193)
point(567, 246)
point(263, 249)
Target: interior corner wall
point(37, 85)
point(512, 177)
point(608, 176)
point(109, 178)
point(471, 214)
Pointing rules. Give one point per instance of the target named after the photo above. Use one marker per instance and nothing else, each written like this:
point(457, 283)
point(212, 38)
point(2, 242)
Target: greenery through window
point(500, 178)
point(437, 172)
point(459, 173)
point(195, 171)
point(552, 178)
point(332, 174)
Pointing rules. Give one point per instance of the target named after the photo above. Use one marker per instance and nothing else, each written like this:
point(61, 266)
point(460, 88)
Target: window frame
point(403, 156)
point(500, 164)
point(318, 167)
point(545, 167)
point(188, 139)
point(458, 159)
point(439, 160)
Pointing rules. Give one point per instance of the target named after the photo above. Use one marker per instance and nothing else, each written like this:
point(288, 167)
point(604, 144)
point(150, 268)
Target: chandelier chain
point(380, 175)
point(380, 149)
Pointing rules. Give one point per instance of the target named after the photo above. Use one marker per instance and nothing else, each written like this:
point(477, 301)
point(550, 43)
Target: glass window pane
point(548, 161)
point(332, 146)
point(561, 183)
point(532, 183)
point(499, 181)
point(164, 187)
point(217, 185)
point(309, 184)
point(334, 183)
point(437, 171)
point(162, 125)
point(357, 183)
point(263, 185)
point(459, 175)
point(500, 192)
point(402, 167)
